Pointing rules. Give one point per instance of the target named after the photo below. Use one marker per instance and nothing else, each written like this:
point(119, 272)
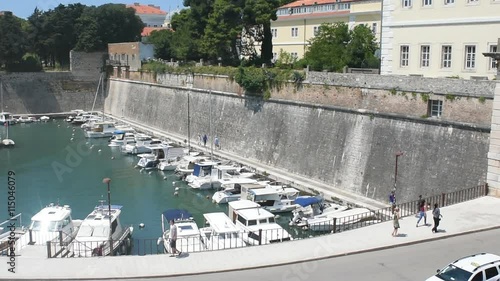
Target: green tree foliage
point(328, 49)
point(336, 46)
point(162, 40)
point(12, 40)
point(109, 23)
point(361, 48)
point(223, 28)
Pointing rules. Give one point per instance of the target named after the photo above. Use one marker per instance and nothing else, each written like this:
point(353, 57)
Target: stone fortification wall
point(345, 148)
point(50, 92)
point(464, 101)
point(87, 66)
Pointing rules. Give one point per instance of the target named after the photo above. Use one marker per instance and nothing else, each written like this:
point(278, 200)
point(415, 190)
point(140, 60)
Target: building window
point(406, 3)
point(449, 2)
point(472, 1)
point(123, 56)
point(435, 108)
point(316, 30)
point(470, 57)
point(374, 27)
point(493, 63)
point(294, 55)
point(404, 55)
point(274, 32)
point(425, 55)
point(295, 31)
point(446, 56)
point(426, 3)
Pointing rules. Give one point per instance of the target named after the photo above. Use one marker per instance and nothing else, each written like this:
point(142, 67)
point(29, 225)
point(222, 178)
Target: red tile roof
point(146, 9)
point(299, 3)
point(147, 30)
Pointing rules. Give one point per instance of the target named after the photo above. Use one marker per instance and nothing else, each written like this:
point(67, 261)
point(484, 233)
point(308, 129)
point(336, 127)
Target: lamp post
point(399, 153)
point(107, 181)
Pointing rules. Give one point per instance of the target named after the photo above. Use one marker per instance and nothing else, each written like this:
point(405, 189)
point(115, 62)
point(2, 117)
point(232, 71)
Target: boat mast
point(189, 125)
point(102, 92)
point(210, 126)
point(96, 92)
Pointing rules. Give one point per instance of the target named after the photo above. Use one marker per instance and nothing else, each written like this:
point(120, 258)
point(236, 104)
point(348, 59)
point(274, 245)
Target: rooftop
point(470, 263)
point(147, 30)
point(255, 214)
point(299, 3)
point(220, 222)
point(147, 9)
point(52, 213)
point(243, 204)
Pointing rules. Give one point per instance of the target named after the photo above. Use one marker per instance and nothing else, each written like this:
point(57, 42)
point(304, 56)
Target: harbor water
point(54, 163)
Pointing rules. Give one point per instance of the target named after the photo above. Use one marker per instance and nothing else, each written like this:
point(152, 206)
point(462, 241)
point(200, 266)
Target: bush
point(29, 63)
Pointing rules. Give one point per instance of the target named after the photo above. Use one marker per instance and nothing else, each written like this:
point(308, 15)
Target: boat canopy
point(306, 201)
point(176, 214)
point(119, 132)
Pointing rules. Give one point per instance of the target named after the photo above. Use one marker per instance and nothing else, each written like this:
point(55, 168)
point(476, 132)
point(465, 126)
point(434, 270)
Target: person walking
point(395, 221)
point(205, 139)
point(422, 212)
point(173, 239)
point(436, 215)
point(216, 142)
point(200, 139)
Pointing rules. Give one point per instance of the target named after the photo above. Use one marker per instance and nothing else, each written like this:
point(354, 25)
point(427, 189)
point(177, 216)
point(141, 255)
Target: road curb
point(285, 263)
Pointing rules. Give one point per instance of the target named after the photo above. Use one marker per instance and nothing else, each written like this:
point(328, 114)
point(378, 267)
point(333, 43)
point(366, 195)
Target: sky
point(24, 8)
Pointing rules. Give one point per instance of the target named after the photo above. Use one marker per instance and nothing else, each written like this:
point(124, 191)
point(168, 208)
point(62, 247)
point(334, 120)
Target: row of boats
point(231, 182)
point(10, 119)
point(100, 233)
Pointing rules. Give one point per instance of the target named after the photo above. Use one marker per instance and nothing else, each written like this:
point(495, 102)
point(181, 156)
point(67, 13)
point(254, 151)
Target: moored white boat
point(275, 200)
point(159, 152)
point(313, 207)
point(44, 118)
point(141, 145)
point(188, 234)
point(231, 190)
point(340, 220)
point(92, 238)
point(6, 117)
point(221, 233)
point(121, 138)
point(259, 225)
point(101, 130)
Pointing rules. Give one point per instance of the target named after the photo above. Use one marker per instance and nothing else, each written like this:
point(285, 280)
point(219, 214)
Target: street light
point(107, 181)
point(399, 153)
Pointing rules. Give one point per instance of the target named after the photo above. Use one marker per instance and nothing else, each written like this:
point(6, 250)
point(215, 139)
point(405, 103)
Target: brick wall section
point(87, 66)
point(50, 92)
point(345, 149)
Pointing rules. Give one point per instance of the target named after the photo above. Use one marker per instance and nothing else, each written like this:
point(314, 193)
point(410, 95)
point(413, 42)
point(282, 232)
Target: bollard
point(260, 236)
point(334, 225)
point(443, 199)
point(49, 254)
point(31, 238)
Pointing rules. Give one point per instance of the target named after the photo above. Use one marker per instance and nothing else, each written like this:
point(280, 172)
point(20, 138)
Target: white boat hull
point(90, 134)
point(8, 142)
point(221, 197)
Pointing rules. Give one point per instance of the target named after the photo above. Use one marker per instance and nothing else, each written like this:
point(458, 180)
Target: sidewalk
point(456, 220)
point(275, 173)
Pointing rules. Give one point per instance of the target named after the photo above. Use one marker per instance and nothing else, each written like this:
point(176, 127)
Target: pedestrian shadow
point(441, 231)
point(183, 256)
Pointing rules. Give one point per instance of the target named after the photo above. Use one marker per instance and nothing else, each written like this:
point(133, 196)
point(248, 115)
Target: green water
point(51, 168)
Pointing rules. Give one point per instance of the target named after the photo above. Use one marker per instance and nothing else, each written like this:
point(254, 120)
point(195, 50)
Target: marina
point(70, 167)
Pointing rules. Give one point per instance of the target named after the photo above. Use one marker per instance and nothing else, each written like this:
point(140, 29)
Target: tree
point(162, 41)
point(186, 39)
point(328, 48)
point(13, 40)
point(109, 23)
point(224, 25)
point(361, 48)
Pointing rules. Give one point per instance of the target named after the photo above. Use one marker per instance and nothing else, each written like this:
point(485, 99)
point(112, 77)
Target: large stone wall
point(51, 92)
point(87, 66)
point(345, 148)
point(464, 101)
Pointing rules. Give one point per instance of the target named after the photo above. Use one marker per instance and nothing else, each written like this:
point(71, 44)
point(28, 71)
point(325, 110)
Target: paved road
point(409, 263)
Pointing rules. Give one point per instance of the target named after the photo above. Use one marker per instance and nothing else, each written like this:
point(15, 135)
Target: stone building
point(130, 54)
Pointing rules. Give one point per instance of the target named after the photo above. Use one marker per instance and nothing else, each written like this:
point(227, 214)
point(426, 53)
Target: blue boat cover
point(119, 132)
point(196, 170)
point(175, 214)
point(307, 200)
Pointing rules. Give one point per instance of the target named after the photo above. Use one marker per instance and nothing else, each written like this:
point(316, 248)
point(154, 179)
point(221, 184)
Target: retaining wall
point(340, 146)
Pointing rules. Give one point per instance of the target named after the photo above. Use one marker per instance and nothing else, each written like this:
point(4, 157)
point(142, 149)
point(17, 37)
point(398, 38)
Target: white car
point(478, 267)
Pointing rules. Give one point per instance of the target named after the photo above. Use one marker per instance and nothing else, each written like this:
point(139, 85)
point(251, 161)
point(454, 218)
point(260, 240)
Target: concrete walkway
point(476, 215)
point(297, 181)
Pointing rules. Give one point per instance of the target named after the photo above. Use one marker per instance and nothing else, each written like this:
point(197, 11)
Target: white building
point(444, 38)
